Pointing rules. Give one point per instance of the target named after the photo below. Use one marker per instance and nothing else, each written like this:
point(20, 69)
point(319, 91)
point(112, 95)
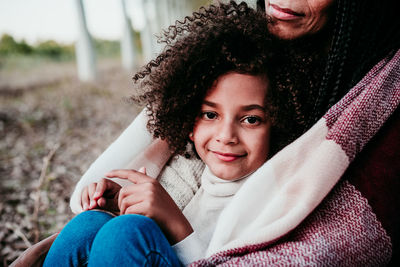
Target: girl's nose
point(226, 133)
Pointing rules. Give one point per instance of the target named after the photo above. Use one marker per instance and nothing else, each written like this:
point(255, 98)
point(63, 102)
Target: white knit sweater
point(203, 212)
point(181, 178)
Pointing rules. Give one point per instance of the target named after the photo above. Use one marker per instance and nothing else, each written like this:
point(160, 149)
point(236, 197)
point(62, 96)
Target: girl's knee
point(91, 219)
point(74, 241)
point(135, 238)
point(92, 215)
point(135, 219)
point(126, 230)
point(85, 225)
point(130, 224)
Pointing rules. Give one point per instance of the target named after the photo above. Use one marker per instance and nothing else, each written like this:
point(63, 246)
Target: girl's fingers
point(91, 190)
point(100, 189)
point(136, 177)
point(101, 202)
point(128, 202)
point(126, 192)
point(85, 199)
point(107, 204)
point(140, 208)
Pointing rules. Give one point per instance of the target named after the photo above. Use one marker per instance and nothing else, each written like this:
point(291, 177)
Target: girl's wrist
point(179, 230)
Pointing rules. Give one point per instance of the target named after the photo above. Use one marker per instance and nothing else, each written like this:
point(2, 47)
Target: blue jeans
point(95, 238)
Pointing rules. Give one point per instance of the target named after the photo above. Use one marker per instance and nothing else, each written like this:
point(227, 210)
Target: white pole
point(127, 42)
point(155, 25)
point(146, 35)
point(85, 56)
point(163, 13)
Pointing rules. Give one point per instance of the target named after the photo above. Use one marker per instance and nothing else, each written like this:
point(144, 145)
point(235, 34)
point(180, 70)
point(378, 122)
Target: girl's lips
point(227, 157)
point(283, 13)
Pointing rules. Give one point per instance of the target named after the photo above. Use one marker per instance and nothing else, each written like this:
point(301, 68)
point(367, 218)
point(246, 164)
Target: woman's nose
point(227, 133)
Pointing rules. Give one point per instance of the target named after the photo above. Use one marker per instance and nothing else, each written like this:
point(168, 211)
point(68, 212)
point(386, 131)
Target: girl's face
point(296, 18)
point(232, 133)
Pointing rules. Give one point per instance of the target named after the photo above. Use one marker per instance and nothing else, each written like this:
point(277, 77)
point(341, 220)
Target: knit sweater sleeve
point(188, 249)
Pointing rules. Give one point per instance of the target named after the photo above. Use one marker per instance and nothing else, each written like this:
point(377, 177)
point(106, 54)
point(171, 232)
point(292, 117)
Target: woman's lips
point(283, 13)
point(227, 157)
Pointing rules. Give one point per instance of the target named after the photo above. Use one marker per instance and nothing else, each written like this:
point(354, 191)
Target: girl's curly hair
point(209, 43)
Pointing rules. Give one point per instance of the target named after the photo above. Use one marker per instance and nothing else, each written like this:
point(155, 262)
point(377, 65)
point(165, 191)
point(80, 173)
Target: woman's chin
point(283, 32)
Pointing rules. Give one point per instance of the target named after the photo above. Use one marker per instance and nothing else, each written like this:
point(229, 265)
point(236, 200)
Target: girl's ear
point(191, 137)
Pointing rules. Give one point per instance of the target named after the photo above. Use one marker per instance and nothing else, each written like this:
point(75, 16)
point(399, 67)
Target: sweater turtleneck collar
point(219, 187)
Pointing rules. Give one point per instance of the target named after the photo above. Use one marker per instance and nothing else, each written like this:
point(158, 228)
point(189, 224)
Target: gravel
point(52, 127)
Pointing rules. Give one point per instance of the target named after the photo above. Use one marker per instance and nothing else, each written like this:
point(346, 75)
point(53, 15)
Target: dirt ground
point(51, 128)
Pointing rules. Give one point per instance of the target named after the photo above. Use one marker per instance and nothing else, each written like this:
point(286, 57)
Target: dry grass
point(52, 127)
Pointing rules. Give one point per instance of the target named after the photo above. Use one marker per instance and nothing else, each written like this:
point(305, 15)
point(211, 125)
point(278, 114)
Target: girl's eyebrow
point(252, 107)
point(211, 104)
point(245, 108)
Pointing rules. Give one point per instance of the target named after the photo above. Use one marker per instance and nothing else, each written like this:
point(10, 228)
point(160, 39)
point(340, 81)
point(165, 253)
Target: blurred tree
point(107, 48)
point(85, 56)
point(9, 46)
point(159, 15)
point(49, 48)
point(24, 48)
point(147, 32)
point(128, 52)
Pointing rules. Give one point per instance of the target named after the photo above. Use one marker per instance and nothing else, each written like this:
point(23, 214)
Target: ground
point(51, 128)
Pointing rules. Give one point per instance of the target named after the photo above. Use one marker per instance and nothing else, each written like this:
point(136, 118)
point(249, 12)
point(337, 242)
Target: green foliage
point(112, 48)
point(54, 50)
point(107, 48)
point(50, 49)
point(9, 46)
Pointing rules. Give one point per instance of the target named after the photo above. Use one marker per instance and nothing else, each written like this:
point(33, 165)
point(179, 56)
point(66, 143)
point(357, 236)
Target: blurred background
point(65, 74)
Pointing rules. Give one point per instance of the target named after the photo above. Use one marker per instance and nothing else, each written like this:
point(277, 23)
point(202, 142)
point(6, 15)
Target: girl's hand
point(147, 197)
point(102, 195)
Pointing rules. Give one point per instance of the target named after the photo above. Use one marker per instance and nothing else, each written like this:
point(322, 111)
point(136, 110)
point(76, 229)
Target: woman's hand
point(147, 197)
point(101, 195)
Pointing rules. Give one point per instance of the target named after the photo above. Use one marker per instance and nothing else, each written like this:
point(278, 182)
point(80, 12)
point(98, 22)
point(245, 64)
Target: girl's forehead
point(236, 88)
point(238, 79)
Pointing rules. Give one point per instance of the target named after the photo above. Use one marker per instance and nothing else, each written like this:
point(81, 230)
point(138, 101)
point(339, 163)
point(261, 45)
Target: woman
point(336, 226)
point(364, 32)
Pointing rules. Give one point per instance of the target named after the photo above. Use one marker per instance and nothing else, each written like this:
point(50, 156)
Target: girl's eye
point(208, 115)
point(252, 120)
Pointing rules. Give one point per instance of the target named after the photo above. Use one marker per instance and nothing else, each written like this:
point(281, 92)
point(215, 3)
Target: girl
point(208, 87)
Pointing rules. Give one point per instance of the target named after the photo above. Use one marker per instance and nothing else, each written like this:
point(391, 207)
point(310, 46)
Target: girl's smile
point(228, 157)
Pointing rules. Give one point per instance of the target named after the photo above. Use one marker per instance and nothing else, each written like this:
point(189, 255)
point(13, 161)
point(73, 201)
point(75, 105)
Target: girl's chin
point(228, 176)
